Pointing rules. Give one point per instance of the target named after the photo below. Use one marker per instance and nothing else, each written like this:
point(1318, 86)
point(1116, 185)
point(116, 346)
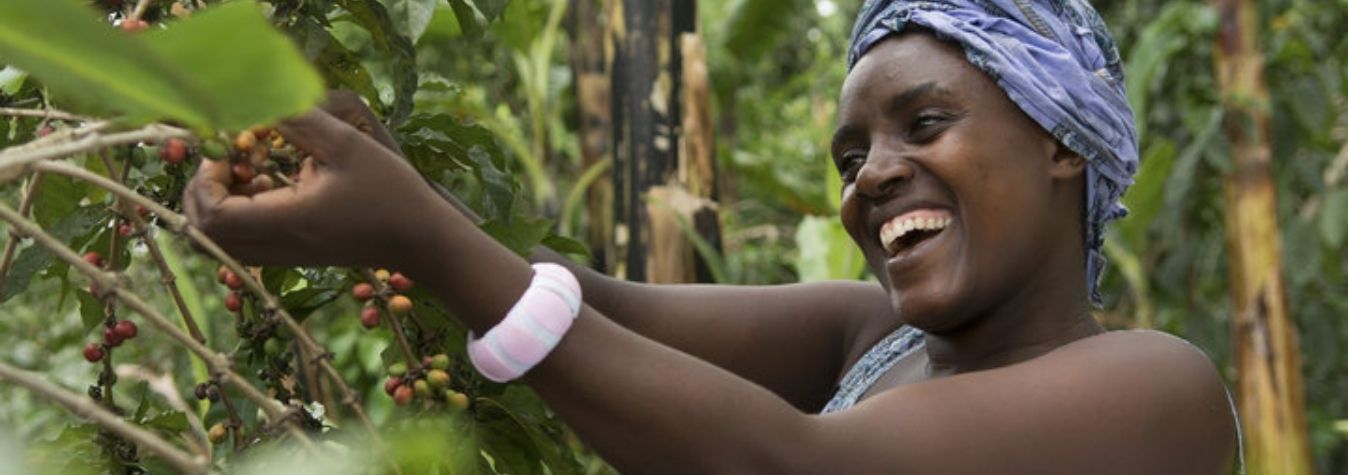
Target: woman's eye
point(850, 166)
point(925, 126)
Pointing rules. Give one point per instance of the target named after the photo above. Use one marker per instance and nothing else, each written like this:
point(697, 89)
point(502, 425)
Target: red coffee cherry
point(392, 384)
point(362, 291)
point(243, 172)
point(232, 280)
point(93, 352)
point(402, 395)
point(45, 131)
point(125, 230)
point(126, 329)
point(134, 25)
point(233, 301)
point(399, 282)
point(369, 318)
point(173, 152)
point(112, 338)
point(94, 259)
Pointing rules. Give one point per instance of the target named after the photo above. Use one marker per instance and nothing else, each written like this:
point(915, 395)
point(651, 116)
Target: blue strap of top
point(877, 360)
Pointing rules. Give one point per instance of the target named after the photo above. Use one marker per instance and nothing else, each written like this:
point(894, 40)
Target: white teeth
point(898, 227)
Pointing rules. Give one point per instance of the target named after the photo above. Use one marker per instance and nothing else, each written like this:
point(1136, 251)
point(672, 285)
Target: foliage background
point(776, 76)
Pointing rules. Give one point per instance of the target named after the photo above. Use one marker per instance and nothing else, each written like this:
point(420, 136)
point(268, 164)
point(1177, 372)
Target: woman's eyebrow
point(901, 100)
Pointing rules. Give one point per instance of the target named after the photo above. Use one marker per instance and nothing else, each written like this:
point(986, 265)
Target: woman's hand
point(356, 202)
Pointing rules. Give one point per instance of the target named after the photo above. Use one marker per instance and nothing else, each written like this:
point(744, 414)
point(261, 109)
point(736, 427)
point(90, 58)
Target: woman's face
point(953, 194)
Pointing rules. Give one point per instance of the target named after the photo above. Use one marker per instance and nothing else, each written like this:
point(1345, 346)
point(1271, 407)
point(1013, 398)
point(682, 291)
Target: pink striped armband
point(532, 328)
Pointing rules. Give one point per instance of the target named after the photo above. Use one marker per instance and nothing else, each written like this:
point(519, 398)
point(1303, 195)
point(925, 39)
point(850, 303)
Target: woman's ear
point(1066, 163)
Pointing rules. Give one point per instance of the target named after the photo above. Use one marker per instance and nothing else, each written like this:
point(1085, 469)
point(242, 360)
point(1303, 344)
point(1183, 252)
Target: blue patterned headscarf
point(1057, 61)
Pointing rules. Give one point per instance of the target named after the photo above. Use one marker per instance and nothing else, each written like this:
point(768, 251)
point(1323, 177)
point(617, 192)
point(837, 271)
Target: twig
point(382, 291)
point(167, 278)
point(26, 204)
point(139, 10)
point(13, 159)
point(178, 224)
point(50, 114)
point(108, 284)
point(81, 406)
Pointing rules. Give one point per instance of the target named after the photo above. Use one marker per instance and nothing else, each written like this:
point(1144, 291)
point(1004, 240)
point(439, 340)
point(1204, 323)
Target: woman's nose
point(883, 174)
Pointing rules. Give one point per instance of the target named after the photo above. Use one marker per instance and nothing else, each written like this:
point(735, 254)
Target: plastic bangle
point(532, 327)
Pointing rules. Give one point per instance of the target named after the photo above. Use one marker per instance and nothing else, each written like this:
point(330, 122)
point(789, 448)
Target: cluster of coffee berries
point(233, 301)
point(125, 228)
point(428, 382)
point(113, 336)
point(397, 303)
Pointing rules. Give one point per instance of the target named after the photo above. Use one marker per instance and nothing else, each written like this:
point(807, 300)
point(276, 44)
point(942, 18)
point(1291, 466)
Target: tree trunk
point(1271, 402)
point(592, 59)
point(650, 229)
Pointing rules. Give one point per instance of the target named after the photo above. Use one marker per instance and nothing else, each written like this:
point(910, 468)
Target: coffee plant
point(106, 109)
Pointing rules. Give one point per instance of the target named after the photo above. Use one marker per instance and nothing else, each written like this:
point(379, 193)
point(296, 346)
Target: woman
point(982, 145)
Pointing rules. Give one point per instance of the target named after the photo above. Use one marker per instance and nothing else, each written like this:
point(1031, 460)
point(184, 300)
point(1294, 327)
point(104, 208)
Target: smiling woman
point(982, 144)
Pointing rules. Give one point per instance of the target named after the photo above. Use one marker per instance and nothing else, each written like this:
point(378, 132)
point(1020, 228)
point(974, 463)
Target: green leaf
point(410, 16)
point(1334, 218)
point(520, 234)
point(754, 27)
point(372, 16)
point(251, 73)
point(172, 421)
point(1146, 196)
point(566, 245)
point(11, 80)
point(74, 229)
point(62, 43)
point(826, 251)
point(467, 18)
point(224, 67)
point(91, 310)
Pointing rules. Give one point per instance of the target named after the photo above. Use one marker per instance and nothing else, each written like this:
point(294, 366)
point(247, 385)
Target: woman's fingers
point(246, 226)
point(348, 107)
point(329, 140)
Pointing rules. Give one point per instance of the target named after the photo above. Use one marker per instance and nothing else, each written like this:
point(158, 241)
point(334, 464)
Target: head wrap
point(1057, 61)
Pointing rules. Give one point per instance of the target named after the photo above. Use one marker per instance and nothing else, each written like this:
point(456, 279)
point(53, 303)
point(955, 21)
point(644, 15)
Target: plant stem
point(381, 293)
point(34, 185)
point(13, 159)
point(178, 224)
point(43, 114)
point(109, 285)
point(80, 406)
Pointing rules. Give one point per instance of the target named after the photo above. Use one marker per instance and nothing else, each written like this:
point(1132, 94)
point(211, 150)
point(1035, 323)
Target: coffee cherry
point(399, 282)
point(94, 259)
point(93, 352)
point(217, 433)
point(261, 132)
point(201, 391)
point(112, 338)
point(144, 213)
point(362, 291)
point(426, 361)
point(438, 378)
point(221, 273)
point(243, 173)
point(233, 281)
point(381, 275)
point(125, 230)
point(422, 388)
point(440, 361)
point(173, 152)
point(274, 347)
point(215, 150)
point(126, 329)
point(134, 25)
point(244, 141)
point(397, 370)
point(392, 384)
point(402, 395)
point(456, 400)
point(399, 305)
point(45, 130)
point(369, 318)
point(213, 393)
point(233, 302)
